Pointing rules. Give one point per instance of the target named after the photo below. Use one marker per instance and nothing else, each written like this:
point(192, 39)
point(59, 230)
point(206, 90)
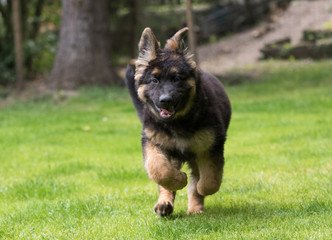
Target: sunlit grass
point(73, 169)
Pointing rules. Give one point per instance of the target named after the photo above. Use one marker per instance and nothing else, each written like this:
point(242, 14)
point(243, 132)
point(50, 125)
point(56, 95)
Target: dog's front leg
point(161, 170)
point(165, 204)
point(210, 168)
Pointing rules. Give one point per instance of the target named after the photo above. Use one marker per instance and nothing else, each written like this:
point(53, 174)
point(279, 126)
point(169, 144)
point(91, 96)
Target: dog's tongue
point(166, 113)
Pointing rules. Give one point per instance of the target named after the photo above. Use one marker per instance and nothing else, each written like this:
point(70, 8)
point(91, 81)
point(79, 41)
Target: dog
point(185, 114)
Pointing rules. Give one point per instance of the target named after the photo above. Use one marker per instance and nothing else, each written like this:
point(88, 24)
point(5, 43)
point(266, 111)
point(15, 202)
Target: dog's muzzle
point(166, 106)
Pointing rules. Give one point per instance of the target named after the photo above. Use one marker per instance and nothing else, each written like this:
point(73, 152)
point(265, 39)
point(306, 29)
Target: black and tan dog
point(185, 114)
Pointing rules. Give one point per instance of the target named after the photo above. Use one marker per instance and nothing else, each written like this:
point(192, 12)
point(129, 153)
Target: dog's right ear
point(148, 46)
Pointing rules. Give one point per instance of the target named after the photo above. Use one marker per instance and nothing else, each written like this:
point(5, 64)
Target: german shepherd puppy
point(185, 114)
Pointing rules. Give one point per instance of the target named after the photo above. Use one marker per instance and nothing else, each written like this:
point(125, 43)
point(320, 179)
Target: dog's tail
point(130, 82)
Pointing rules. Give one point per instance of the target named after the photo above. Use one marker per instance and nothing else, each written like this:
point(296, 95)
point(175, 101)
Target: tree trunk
point(133, 6)
point(83, 54)
point(33, 33)
point(16, 8)
point(191, 32)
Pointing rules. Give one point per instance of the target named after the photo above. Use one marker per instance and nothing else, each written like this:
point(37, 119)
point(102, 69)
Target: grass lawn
point(73, 169)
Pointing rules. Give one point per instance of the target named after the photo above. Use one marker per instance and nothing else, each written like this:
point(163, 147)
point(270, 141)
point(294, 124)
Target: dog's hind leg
point(195, 200)
point(161, 170)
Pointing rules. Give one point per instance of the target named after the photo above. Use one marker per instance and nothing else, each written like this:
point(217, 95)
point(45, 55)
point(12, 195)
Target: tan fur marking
point(153, 110)
point(165, 197)
point(174, 70)
point(210, 175)
point(172, 44)
point(192, 83)
point(190, 60)
point(175, 56)
point(201, 140)
point(156, 71)
point(195, 201)
point(166, 141)
point(140, 92)
point(138, 76)
point(140, 66)
point(160, 169)
point(141, 95)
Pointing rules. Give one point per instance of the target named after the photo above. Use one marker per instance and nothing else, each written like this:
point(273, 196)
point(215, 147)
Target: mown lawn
point(73, 169)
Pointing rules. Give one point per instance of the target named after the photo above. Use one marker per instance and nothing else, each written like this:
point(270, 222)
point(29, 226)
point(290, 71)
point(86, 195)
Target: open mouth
point(166, 113)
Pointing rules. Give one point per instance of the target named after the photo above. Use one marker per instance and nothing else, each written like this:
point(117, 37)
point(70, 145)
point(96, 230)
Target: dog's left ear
point(175, 43)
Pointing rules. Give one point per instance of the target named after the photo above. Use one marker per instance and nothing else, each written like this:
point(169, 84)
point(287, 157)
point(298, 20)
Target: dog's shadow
point(218, 219)
point(243, 211)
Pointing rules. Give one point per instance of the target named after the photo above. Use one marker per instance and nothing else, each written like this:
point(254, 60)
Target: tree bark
point(33, 33)
point(6, 18)
point(191, 32)
point(36, 24)
point(83, 54)
point(18, 43)
point(133, 6)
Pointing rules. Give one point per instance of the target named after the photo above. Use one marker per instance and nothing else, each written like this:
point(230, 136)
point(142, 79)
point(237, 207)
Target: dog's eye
point(176, 78)
point(154, 80)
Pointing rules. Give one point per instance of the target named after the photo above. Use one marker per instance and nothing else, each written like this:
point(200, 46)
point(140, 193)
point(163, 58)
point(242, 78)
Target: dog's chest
point(197, 142)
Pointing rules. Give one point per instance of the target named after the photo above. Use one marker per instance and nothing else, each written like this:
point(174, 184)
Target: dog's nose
point(165, 100)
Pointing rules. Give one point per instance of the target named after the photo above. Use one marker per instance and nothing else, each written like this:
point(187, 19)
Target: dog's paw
point(193, 211)
point(197, 208)
point(164, 208)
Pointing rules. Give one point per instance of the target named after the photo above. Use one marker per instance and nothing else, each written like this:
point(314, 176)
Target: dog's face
point(165, 78)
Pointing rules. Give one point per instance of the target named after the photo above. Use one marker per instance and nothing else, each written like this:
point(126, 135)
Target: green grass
point(73, 169)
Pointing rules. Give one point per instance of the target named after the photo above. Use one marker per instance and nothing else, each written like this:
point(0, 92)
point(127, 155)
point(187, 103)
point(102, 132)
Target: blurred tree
point(133, 14)
point(7, 57)
point(31, 19)
point(34, 29)
point(191, 26)
point(18, 42)
point(83, 54)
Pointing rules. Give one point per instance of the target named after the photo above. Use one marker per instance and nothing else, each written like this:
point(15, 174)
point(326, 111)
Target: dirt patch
point(243, 48)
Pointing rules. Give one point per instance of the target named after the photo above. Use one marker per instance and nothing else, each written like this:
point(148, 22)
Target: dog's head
point(165, 78)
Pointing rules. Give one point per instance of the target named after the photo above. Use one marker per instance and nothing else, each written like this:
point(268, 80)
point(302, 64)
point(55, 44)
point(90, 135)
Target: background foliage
point(41, 22)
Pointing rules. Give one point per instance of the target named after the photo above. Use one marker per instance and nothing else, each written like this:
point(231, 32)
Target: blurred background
point(69, 43)
point(70, 151)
